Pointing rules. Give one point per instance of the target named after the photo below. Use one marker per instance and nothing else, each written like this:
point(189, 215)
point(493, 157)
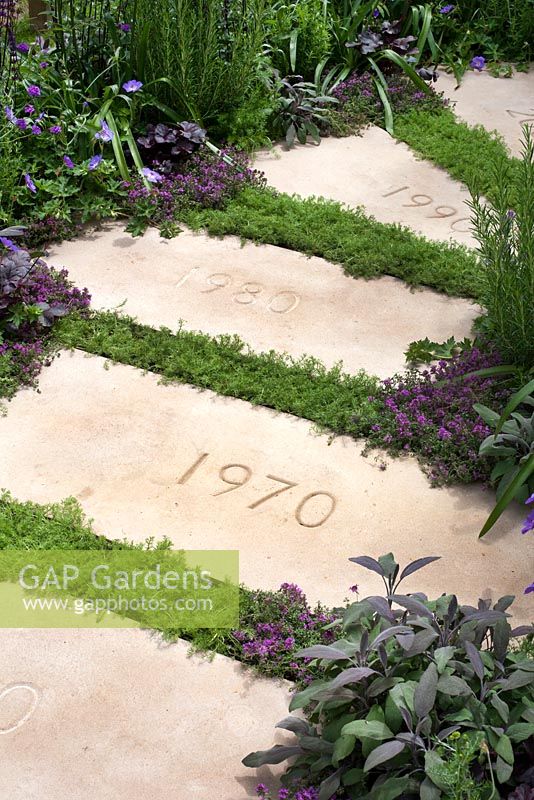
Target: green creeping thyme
point(364, 247)
point(303, 387)
point(467, 153)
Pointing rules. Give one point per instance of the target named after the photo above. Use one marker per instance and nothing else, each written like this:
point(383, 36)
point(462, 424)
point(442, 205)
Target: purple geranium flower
point(105, 134)
point(29, 183)
point(23, 47)
point(132, 86)
point(33, 90)
point(94, 162)
point(478, 63)
point(55, 129)
point(446, 9)
point(8, 244)
point(68, 162)
point(151, 175)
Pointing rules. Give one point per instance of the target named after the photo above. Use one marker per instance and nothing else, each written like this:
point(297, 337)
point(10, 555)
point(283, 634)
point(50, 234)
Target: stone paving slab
point(120, 715)
point(153, 460)
point(501, 104)
point(273, 298)
point(377, 172)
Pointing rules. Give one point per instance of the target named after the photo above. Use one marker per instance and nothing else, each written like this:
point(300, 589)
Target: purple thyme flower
point(94, 162)
point(8, 244)
point(43, 64)
point(35, 129)
point(261, 789)
point(124, 27)
point(33, 90)
point(105, 133)
point(353, 588)
point(10, 115)
point(151, 175)
point(68, 162)
point(23, 47)
point(22, 124)
point(446, 9)
point(29, 183)
point(511, 213)
point(376, 13)
point(55, 129)
point(132, 86)
point(29, 109)
point(478, 63)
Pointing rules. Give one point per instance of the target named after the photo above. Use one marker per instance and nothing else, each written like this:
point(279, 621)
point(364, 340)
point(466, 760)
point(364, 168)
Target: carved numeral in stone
point(31, 702)
point(304, 502)
point(234, 484)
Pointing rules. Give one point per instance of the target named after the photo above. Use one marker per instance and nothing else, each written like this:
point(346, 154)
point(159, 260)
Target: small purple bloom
point(68, 162)
point(353, 588)
point(376, 13)
point(35, 129)
point(124, 27)
point(105, 133)
point(530, 588)
point(22, 124)
point(132, 86)
point(478, 63)
point(43, 64)
point(94, 162)
point(446, 9)
point(33, 90)
point(29, 183)
point(511, 213)
point(443, 434)
point(529, 522)
point(8, 244)
point(55, 130)
point(151, 175)
point(23, 47)
point(10, 115)
point(29, 109)
point(283, 794)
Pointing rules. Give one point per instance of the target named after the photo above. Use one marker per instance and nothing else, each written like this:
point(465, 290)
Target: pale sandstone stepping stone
point(214, 473)
point(274, 299)
point(379, 173)
point(120, 714)
point(501, 104)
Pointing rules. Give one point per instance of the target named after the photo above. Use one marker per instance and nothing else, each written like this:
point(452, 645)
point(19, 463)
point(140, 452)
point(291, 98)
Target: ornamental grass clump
point(416, 698)
point(504, 230)
point(431, 414)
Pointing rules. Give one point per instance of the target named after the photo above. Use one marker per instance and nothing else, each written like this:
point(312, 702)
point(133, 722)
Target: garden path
point(379, 173)
point(273, 298)
point(500, 104)
point(119, 714)
point(121, 444)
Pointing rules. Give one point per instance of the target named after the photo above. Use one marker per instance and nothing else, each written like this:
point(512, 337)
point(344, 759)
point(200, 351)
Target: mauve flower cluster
point(46, 285)
point(299, 792)
point(277, 625)
point(359, 91)
point(205, 179)
point(431, 413)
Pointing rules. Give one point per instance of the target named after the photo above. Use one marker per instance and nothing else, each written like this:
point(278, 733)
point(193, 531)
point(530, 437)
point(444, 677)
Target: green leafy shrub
point(404, 676)
point(298, 36)
point(504, 229)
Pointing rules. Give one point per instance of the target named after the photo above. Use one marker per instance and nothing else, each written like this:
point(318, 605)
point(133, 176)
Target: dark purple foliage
point(168, 144)
point(388, 37)
point(431, 413)
point(523, 792)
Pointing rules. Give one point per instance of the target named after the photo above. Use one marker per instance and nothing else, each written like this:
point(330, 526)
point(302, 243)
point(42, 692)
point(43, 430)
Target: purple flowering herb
point(29, 183)
point(29, 109)
point(529, 522)
point(68, 162)
point(132, 86)
point(124, 27)
point(376, 13)
point(55, 130)
point(105, 134)
point(530, 588)
point(446, 9)
point(151, 175)
point(43, 65)
point(22, 47)
point(22, 124)
point(354, 588)
point(94, 163)
point(478, 63)
point(36, 130)
point(33, 90)
point(10, 115)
